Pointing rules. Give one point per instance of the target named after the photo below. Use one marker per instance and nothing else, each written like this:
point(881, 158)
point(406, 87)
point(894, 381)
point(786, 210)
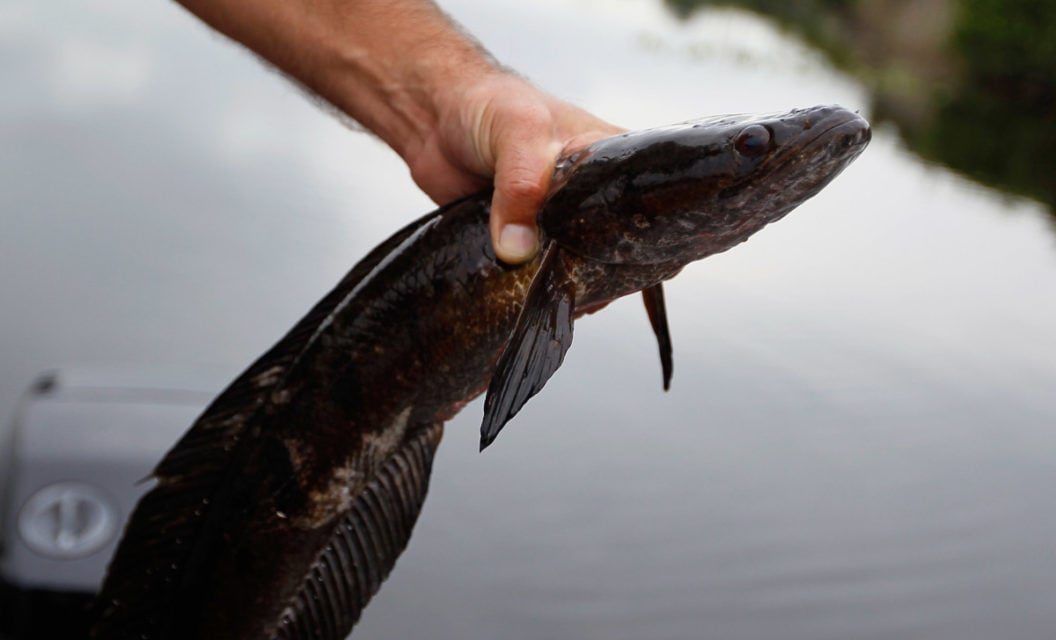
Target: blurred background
point(860, 439)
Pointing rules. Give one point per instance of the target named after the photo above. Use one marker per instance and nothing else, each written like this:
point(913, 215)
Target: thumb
point(524, 163)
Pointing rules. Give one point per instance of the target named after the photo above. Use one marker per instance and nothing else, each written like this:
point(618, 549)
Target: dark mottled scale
point(284, 508)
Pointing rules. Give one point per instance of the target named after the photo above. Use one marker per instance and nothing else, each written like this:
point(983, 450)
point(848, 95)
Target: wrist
point(402, 88)
point(438, 81)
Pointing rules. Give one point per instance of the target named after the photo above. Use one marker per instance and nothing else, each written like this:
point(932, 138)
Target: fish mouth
point(849, 130)
point(829, 139)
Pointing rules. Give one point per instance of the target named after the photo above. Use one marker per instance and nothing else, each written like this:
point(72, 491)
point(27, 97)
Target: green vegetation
point(818, 21)
point(970, 84)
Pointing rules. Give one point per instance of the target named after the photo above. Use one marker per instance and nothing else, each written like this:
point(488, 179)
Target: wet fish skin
point(639, 206)
point(283, 509)
point(683, 192)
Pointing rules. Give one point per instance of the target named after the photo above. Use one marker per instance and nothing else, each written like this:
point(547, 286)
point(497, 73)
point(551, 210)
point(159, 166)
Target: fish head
point(686, 191)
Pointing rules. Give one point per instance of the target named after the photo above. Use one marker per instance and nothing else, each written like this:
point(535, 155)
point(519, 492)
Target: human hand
point(501, 129)
point(406, 72)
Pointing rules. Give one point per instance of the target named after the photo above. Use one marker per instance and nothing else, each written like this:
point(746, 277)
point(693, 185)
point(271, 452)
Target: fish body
point(282, 510)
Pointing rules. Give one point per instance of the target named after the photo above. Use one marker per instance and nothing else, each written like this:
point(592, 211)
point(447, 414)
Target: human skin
point(406, 72)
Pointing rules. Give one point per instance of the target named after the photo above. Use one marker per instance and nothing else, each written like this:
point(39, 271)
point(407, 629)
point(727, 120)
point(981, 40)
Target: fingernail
point(517, 242)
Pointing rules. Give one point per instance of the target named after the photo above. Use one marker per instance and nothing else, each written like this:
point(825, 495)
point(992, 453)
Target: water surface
point(859, 441)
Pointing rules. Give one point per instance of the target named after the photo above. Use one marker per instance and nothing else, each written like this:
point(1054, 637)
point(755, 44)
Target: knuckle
point(520, 121)
point(523, 187)
point(532, 116)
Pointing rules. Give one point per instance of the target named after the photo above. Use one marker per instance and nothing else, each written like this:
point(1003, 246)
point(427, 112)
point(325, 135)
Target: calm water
point(860, 441)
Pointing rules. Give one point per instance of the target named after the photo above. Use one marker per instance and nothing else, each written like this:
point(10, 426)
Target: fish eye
point(753, 140)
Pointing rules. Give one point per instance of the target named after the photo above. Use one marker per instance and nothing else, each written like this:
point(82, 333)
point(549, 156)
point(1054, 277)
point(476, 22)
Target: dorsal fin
point(350, 570)
point(536, 348)
point(160, 536)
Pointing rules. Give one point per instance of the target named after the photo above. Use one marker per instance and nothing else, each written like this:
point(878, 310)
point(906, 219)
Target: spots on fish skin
point(280, 397)
point(387, 440)
point(324, 503)
point(268, 377)
point(520, 289)
point(335, 492)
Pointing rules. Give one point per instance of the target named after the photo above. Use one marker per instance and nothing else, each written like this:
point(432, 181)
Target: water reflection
point(971, 84)
point(858, 441)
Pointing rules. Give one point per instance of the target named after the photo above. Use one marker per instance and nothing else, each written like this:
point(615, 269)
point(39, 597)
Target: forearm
point(389, 64)
point(406, 72)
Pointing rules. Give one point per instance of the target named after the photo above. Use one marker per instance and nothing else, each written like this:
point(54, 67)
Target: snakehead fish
point(282, 510)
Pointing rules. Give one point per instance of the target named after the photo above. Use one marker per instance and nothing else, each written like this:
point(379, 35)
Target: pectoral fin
point(654, 306)
point(537, 346)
